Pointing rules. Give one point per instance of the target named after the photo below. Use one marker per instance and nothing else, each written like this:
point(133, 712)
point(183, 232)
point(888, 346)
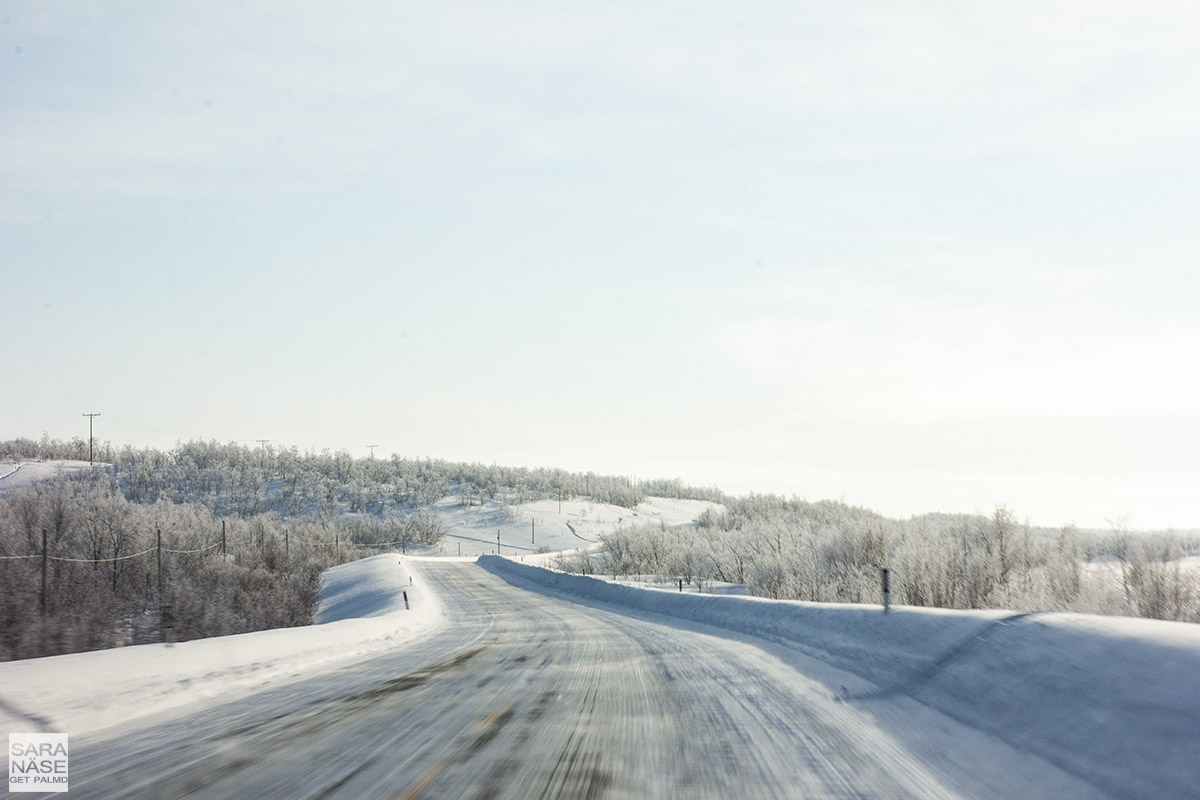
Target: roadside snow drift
point(1115, 701)
point(361, 612)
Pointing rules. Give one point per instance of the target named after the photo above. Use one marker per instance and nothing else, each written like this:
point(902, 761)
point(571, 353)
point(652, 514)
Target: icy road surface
point(525, 695)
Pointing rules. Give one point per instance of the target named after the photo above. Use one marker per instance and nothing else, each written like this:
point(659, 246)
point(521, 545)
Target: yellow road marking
point(481, 726)
point(490, 718)
point(432, 774)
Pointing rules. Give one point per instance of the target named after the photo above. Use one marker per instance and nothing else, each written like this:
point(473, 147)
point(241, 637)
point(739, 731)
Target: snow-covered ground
point(17, 475)
point(361, 612)
point(1108, 698)
point(676, 584)
point(1111, 568)
point(531, 528)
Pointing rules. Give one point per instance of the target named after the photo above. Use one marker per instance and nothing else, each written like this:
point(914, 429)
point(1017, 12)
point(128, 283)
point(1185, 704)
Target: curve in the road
point(523, 696)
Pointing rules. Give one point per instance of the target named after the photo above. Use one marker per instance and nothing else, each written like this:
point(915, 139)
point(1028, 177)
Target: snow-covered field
point(531, 528)
point(14, 475)
point(677, 585)
point(361, 612)
point(1111, 569)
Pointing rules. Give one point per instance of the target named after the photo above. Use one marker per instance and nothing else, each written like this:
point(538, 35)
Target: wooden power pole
point(91, 419)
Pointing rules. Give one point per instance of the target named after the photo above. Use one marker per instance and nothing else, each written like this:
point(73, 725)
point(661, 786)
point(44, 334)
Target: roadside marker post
point(886, 591)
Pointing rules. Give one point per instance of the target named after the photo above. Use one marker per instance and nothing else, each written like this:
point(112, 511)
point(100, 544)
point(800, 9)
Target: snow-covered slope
point(361, 612)
point(15, 475)
point(1111, 699)
point(542, 525)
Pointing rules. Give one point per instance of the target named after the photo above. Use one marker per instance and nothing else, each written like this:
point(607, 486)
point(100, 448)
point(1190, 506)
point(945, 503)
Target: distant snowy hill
point(531, 528)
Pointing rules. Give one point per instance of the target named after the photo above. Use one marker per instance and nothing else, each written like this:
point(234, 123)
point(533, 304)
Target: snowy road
point(524, 695)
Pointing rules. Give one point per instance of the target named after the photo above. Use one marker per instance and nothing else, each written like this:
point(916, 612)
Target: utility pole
point(45, 554)
point(372, 449)
point(90, 438)
point(158, 535)
point(262, 451)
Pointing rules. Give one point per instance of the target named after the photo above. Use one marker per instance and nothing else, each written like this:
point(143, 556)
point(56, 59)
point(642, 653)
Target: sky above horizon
point(918, 257)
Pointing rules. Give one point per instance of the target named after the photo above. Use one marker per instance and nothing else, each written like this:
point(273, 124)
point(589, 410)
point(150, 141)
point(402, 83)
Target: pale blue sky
point(916, 256)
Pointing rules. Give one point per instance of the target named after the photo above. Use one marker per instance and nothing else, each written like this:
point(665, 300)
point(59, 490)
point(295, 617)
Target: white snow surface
point(14, 475)
point(1111, 699)
point(361, 612)
point(528, 528)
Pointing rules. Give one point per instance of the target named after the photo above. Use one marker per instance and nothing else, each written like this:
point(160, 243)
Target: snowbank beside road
point(1112, 700)
point(374, 587)
point(361, 612)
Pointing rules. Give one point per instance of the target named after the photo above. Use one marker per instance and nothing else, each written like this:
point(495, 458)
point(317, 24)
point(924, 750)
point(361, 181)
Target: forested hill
point(209, 539)
point(232, 479)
